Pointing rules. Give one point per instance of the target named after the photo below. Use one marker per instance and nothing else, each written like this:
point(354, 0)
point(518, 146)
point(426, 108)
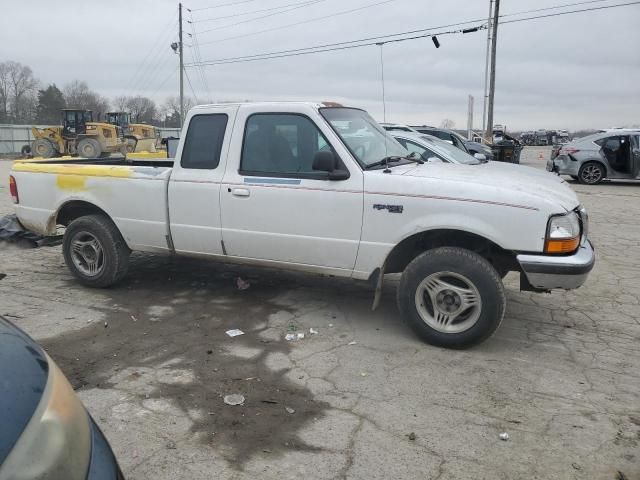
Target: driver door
point(276, 208)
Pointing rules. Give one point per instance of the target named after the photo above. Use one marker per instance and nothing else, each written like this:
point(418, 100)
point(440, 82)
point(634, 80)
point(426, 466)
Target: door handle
point(240, 192)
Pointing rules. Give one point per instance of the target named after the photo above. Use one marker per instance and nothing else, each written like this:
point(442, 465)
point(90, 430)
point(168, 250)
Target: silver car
point(613, 154)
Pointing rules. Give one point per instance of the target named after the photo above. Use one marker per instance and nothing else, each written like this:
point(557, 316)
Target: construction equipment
point(140, 137)
point(78, 135)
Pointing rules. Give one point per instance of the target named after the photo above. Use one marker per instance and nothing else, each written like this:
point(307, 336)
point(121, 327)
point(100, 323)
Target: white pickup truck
point(324, 189)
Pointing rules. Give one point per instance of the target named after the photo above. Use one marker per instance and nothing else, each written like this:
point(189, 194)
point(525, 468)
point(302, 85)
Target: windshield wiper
point(393, 159)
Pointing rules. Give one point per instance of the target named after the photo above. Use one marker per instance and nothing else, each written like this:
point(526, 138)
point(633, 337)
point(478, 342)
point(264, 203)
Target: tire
point(131, 144)
point(25, 151)
point(95, 252)
point(89, 148)
point(443, 274)
point(591, 173)
point(43, 147)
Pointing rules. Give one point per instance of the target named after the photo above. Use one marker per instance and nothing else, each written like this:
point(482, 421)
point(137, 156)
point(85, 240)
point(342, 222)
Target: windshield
point(448, 151)
point(364, 138)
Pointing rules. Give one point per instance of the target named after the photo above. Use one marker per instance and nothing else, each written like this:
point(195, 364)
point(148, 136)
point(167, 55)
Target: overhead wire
point(390, 38)
point(152, 55)
point(198, 56)
point(297, 7)
point(231, 4)
point(252, 12)
point(344, 12)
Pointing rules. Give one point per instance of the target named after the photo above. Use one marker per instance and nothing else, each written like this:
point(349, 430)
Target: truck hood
point(529, 181)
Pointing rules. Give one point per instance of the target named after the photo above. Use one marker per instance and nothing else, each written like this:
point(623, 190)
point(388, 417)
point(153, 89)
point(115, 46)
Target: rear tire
point(95, 252)
point(89, 148)
point(451, 297)
point(43, 147)
point(591, 173)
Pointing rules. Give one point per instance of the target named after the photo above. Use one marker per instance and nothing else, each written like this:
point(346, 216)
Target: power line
point(198, 57)
point(554, 7)
point(223, 5)
point(376, 38)
point(191, 86)
point(344, 12)
point(312, 2)
point(152, 55)
point(557, 14)
point(252, 12)
point(388, 38)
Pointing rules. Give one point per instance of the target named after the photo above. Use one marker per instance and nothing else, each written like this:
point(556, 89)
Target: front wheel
point(591, 173)
point(451, 297)
point(89, 148)
point(95, 252)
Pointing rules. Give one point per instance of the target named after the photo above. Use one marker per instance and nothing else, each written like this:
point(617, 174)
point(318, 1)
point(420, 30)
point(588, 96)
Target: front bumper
point(546, 272)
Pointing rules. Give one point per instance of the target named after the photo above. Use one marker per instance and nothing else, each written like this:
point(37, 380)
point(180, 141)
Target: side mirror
point(326, 161)
point(480, 156)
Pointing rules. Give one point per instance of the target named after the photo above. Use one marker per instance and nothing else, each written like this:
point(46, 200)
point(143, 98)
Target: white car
point(432, 149)
point(322, 189)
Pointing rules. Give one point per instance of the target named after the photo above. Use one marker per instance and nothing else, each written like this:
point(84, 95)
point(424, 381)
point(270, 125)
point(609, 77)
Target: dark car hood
point(23, 376)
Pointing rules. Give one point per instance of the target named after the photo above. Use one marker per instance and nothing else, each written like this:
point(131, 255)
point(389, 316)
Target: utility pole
point(181, 65)
point(486, 68)
point(492, 75)
point(470, 118)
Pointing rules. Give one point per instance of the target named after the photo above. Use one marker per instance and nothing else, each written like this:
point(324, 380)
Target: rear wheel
point(591, 173)
point(451, 297)
point(43, 147)
point(89, 148)
point(95, 252)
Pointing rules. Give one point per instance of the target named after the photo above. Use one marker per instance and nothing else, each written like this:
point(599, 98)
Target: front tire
point(95, 252)
point(451, 297)
point(89, 148)
point(43, 147)
point(591, 173)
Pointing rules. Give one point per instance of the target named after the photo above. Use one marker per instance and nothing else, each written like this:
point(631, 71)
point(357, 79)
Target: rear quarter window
point(203, 144)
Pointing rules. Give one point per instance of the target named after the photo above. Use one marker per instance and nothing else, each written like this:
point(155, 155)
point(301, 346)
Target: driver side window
point(281, 145)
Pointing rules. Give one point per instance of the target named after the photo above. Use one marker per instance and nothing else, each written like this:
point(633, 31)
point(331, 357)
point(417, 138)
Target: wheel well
point(408, 249)
point(76, 209)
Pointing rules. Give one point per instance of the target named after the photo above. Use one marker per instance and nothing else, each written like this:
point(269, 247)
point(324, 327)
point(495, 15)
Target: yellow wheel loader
point(78, 135)
point(140, 137)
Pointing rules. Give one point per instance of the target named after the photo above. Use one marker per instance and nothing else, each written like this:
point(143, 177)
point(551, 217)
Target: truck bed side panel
point(133, 197)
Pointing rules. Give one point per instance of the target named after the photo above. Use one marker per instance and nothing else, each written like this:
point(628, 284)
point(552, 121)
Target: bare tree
point(18, 92)
point(170, 110)
point(78, 95)
point(447, 123)
point(142, 109)
point(120, 103)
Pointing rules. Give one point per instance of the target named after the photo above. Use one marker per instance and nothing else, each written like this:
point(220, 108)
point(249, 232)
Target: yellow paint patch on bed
point(118, 171)
point(73, 183)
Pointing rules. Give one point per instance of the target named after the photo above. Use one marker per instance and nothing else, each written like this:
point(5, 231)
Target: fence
point(14, 137)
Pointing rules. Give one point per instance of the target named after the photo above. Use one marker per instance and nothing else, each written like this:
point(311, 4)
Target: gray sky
point(573, 71)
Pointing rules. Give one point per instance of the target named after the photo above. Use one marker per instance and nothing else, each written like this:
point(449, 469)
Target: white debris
point(313, 331)
point(504, 436)
point(235, 332)
point(353, 343)
point(291, 337)
point(242, 284)
point(234, 399)
point(290, 410)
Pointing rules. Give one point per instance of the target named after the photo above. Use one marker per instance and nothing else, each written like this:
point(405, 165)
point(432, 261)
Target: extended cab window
point(281, 145)
point(203, 144)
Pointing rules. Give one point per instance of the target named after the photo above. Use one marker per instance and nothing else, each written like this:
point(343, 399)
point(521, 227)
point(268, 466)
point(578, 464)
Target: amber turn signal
point(567, 245)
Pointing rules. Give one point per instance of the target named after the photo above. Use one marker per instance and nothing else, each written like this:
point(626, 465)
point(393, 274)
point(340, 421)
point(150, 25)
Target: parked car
point(396, 127)
point(591, 159)
point(433, 149)
point(321, 189)
point(46, 432)
point(456, 140)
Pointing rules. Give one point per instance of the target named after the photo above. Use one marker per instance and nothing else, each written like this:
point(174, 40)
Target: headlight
point(563, 233)
point(56, 442)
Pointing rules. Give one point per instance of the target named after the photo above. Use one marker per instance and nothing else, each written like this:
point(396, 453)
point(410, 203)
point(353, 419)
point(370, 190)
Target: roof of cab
point(239, 104)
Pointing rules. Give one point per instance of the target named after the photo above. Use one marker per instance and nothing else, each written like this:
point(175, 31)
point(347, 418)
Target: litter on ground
point(235, 332)
point(234, 399)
